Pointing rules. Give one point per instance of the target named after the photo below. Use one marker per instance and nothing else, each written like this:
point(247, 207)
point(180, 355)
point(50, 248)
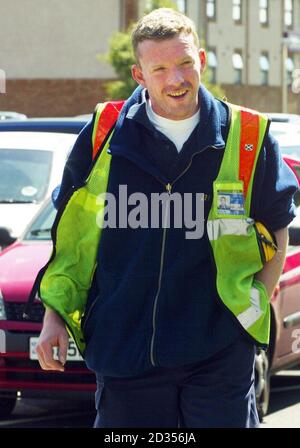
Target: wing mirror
point(294, 236)
point(5, 238)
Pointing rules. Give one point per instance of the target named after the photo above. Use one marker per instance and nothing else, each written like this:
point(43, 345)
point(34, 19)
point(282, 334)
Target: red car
point(284, 350)
point(19, 368)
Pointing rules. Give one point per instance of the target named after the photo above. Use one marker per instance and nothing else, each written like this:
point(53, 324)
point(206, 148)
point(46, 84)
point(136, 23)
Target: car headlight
point(2, 307)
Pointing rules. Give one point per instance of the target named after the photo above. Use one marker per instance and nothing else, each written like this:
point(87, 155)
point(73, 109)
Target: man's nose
point(176, 77)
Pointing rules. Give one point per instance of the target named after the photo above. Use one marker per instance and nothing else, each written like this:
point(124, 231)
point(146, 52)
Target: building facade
point(247, 51)
point(50, 59)
point(50, 54)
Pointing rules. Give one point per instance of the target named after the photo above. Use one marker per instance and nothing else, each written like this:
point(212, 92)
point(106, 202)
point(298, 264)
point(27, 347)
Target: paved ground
point(39, 413)
point(284, 409)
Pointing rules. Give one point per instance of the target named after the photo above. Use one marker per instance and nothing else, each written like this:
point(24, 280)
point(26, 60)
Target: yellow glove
point(266, 241)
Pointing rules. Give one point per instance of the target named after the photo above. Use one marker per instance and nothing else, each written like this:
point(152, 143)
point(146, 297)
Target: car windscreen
point(292, 151)
point(40, 229)
point(24, 175)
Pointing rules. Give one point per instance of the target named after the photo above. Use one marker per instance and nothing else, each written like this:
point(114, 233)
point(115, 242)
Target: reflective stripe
point(106, 116)
point(249, 317)
point(249, 139)
point(227, 226)
point(247, 131)
point(253, 313)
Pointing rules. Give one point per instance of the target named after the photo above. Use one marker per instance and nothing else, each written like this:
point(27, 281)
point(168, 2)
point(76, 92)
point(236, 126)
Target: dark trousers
point(215, 393)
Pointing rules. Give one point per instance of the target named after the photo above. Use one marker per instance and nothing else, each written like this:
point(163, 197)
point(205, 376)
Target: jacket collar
point(211, 117)
point(133, 122)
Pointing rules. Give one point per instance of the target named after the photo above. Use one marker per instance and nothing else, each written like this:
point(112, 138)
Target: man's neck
point(178, 131)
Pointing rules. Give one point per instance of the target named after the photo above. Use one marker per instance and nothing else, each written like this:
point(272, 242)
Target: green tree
point(121, 58)
point(215, 89)
point(154, 4)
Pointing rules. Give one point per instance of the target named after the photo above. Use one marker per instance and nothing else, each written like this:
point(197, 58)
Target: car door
point(286, 300)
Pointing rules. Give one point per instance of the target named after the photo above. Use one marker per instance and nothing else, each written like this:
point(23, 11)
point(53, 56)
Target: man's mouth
point(178, 94)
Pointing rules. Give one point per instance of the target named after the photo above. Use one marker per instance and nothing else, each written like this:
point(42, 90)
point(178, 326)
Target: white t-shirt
point(178, 131)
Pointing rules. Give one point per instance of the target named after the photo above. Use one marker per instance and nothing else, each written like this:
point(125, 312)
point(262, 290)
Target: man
point(223, 203)
point(170, 319)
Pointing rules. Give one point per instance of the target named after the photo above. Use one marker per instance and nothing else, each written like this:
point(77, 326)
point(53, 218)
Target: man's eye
point(158, 69)
point(186, 62)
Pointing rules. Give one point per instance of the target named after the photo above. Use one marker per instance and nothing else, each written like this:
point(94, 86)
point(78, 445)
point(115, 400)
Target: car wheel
point(7, 405)
point(262, 383)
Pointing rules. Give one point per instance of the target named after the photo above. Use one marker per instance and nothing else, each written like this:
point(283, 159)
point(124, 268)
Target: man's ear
point(202, 56)
point(137, 74)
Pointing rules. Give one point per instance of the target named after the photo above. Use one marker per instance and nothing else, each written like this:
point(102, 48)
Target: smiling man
point(169, 324)
point(171, 73)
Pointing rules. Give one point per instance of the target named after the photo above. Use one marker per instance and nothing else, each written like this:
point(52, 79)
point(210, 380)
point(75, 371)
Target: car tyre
point(7, 405)
point(262, 383)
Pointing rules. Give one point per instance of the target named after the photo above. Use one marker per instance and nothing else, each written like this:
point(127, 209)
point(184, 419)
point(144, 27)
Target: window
point(2, 81)
point(238, 65)
point(24, 175)
point(237, 10)
point(212, 65)
point(264, 12)
point(41, 227)
point(264, 66)
point(211, 9)
point(289, 66)
point(288, 13)
point(181, 5)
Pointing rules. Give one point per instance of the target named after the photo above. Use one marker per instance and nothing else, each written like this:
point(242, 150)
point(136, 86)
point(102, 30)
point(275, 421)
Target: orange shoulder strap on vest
point(248, 145)
point(106, 117)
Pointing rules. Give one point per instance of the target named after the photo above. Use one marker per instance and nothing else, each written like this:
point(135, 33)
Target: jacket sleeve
point(274, 187)
point(77, 165)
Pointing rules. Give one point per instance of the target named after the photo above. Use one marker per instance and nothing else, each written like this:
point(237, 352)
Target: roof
point(47, 141)
point(283, 118)
point(67, 125)
point(284, 128)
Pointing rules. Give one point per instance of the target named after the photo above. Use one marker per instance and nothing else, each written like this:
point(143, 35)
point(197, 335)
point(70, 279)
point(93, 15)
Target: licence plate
point(73, 353)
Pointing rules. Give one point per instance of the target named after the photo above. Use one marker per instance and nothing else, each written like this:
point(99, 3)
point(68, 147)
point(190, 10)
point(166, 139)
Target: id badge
point(229, 199)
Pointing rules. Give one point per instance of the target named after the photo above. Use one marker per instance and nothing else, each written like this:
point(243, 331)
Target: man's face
point(171, 72)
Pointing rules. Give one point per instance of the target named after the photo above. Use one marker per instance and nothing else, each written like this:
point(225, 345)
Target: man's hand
point(272, 270)
point(53, 334)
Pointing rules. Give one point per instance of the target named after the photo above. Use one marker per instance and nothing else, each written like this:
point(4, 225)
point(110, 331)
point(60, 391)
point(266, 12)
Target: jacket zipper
point(168, 187)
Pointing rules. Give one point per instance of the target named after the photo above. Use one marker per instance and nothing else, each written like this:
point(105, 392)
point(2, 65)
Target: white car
point(284, 118)
point(288, 137)
point(278, 128)
point(32, 158)
point(8, 115)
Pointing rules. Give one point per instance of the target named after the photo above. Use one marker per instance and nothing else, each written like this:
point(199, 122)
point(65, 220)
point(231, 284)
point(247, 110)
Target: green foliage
point(161, 4)
point(215, 89)
point(120, 56)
